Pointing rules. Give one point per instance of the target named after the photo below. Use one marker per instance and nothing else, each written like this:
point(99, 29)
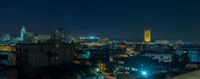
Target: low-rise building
point(194, 56)
point(165, 57)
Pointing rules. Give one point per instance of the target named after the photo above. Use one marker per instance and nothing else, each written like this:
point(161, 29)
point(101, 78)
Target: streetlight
point(97, 69)
point(144, 73)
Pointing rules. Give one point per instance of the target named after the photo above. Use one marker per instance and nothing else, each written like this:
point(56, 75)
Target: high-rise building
point(59, 34)
point(147, 35)
point(23, 30)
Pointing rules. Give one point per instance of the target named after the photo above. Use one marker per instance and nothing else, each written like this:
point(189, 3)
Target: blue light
point(92, 37)
point(134, 69)
point(144, 73)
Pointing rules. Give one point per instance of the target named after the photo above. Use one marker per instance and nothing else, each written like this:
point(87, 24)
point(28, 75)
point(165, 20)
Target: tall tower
point(23, 30)
point(147, 35)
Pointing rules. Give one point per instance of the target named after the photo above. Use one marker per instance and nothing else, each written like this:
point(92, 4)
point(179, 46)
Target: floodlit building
point(22, 33)
point(147, 35)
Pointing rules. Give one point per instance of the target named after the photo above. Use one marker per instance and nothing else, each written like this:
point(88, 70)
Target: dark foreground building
point(44, 60)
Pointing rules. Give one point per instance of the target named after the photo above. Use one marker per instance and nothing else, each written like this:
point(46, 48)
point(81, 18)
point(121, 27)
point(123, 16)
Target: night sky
point(107, 18)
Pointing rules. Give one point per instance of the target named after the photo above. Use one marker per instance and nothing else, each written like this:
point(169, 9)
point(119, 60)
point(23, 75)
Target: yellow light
point(7, 48)
point(147, 36)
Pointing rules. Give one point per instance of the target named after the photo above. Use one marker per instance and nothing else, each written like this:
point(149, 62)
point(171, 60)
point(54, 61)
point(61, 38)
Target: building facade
point(59, 34)
point(52, 53)
point(147, 35)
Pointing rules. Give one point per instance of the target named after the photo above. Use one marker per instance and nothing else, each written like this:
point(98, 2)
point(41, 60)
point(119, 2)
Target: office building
point(147, 35)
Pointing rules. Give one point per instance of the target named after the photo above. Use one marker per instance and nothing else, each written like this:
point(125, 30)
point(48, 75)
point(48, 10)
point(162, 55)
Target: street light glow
point(97, 70)
point(144, 73)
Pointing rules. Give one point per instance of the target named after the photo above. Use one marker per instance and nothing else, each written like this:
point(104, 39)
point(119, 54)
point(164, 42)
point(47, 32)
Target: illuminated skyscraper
point(23, 30)
point(147, 35)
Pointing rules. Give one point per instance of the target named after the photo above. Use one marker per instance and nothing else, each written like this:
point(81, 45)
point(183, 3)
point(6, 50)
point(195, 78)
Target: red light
point(122, 46)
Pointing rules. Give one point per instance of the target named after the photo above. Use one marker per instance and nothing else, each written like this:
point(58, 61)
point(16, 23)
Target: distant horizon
point(113, 38)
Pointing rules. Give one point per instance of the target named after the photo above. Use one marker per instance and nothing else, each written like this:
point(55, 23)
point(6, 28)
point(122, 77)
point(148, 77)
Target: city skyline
point(99, 39)
point(114, 19)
